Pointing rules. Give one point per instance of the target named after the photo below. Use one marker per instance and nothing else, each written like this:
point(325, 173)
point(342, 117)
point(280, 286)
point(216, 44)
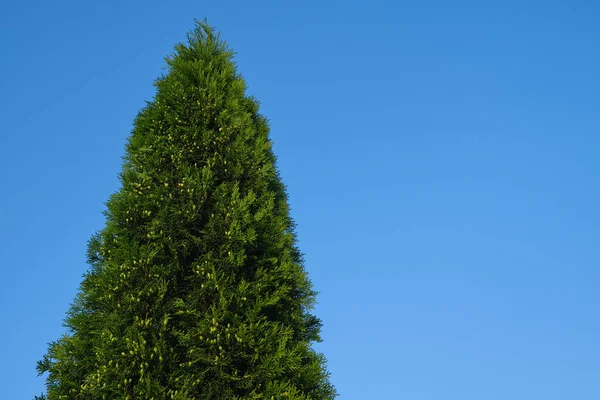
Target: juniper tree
point(196, 288)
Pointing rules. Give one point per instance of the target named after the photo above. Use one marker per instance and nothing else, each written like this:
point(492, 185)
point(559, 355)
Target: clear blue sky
point(441, 158)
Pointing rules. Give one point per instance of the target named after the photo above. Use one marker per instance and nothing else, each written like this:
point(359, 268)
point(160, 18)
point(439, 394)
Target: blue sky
point(441, 162)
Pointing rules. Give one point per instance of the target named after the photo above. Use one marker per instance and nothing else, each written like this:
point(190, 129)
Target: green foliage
point(196, 289)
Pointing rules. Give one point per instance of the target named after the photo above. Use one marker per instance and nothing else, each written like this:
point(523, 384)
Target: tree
point(196, 288)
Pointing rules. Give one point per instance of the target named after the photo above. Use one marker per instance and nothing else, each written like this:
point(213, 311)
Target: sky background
point(441, 159)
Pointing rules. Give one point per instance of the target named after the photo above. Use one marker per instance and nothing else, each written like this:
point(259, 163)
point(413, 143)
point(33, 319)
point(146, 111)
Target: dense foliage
point(196, 289)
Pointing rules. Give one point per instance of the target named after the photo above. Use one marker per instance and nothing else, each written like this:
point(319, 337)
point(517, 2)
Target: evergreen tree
point(196, 288)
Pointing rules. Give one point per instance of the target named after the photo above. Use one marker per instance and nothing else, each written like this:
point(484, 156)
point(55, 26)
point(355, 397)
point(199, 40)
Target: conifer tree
point(195, 288)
